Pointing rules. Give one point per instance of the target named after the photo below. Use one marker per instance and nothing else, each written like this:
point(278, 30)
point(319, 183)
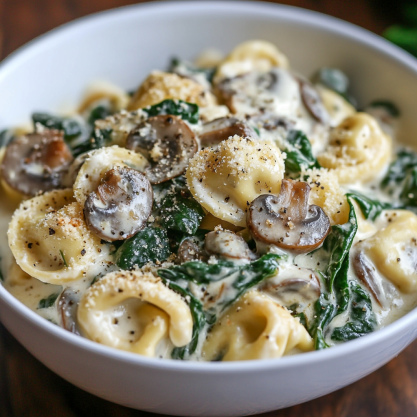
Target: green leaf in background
point(335, 80)
point(99, 112)
point(187, 111)
point(361, 319)
point(399, 169)
point(48, 301)
point(404, 37)
point(299, 154)
point(6, 136)
point(185, 68)
point(149, 245)
point(388, 105)
point(70, 127)
point(408, 196)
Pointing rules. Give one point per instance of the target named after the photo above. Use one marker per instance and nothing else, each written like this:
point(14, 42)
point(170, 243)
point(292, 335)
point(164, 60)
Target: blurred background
point(27, 388)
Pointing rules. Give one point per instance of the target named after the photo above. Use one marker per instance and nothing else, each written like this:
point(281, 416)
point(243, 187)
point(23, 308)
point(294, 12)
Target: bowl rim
point(293, 14)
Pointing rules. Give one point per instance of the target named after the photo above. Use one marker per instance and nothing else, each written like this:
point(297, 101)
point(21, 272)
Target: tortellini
point(160, 86)
point(358, 151)
point(251, 56)
point(255, 328)
point(337, 107)
point(98, 163)
point(227, 179)
point(50, 240)
point(104, 92)
point(327, 193)
point(393, 250)
point(134, 311)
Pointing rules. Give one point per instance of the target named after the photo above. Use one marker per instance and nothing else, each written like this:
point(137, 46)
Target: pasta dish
point(228, 209)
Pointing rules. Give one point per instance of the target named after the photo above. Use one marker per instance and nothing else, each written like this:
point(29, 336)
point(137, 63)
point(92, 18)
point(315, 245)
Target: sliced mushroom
point(226, 244)
point(269, 121)
point(167, 142)
point(189, 250)
point(294, 285)
point(382, 290)
point(36, 162)
point(221, 129)
point(67, 308)
point(120, 206)
point(313, 102)
point(286, 220)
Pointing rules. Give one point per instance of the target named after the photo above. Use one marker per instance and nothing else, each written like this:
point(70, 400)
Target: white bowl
point(123, 46)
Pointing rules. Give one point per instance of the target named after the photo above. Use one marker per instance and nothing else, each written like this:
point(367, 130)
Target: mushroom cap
point(67, 308)
point(167, 142)
point(120, 206)
point(220, 129)
point(36, 162)
point(227, 244)
point(286, 220)
point(312, 101)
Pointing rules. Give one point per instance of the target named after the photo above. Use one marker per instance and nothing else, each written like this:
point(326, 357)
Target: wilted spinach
point(48, 301)
point(185, 68)
point(187, 111)
point(69, 126)
point(149, 245)
point(299, 154)
point(370, 208)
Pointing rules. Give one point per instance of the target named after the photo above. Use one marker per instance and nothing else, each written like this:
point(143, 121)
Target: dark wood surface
point(27, 388)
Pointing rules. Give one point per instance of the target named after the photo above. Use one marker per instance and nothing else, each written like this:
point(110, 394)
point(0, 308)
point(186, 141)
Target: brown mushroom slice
point(270, 122)
point(382, 290)
point(189, 250)
point(221, 129)
point(67, 308)
point(312, 101)
point(36, 162)
point(120, 206)
point(167, 142)
point(302, 285)
point(286, 220)
point(226, 244)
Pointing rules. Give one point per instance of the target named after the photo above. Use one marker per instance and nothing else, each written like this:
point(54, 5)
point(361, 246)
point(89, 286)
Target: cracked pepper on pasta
point(230, 209)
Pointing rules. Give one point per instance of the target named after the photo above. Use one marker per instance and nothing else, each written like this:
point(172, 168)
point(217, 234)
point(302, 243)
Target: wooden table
point(27, 388)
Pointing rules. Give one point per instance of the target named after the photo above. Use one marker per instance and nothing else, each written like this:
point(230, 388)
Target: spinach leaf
point(187, 111)
point(371, 209)
point(299, 154)
point(361, 319)
point(408, 196)
point(70, 127)
point(337, 244)
point(181, 213)
point(389, 106)
point(48, 301)
point(400, 168)
point(149, 245)
point(98, 139)
point(6, 136)
point(199, 320)
point(336, 80)
point(99, 112)
point(246, 275)
point(178, 278)
point(185, 68)
point(324, 311)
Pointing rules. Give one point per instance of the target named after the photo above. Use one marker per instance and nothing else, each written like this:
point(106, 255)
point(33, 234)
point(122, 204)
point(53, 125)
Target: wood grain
point(27, 388)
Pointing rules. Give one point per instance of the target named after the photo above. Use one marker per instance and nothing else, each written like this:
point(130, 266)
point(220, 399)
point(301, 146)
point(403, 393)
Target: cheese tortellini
point(393, 250)
point(227, 179)
point(50, 240)
point(251, 56)
point(100, 161)
point(358, 151)
point(255, 328)
point(134, 311)
point(327, 193)
point(160, 86)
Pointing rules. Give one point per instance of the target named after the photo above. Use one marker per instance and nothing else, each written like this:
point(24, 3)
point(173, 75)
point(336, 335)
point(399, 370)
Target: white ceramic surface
point(123, 46)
